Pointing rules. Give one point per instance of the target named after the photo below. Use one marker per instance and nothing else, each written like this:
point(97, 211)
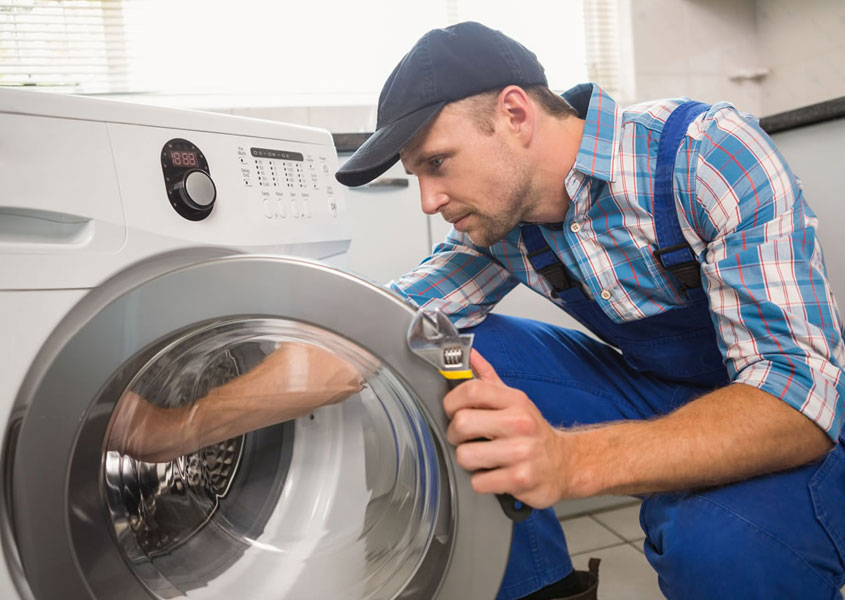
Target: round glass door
point(269, 458)
point(242, 427)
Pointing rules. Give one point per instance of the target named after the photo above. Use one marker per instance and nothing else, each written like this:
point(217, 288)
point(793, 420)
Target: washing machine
point(197, 400)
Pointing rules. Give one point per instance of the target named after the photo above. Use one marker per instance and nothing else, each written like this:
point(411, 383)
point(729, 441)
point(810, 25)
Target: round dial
point(197, 189)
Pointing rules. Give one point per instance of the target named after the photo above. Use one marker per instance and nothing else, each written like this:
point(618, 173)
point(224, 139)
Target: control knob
point(196, 189)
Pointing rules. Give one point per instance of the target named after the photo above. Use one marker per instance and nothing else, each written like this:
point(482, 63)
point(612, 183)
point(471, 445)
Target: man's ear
point(515, 108)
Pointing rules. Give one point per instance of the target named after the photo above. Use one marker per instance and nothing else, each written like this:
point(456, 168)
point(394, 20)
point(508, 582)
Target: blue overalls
point(776, 537)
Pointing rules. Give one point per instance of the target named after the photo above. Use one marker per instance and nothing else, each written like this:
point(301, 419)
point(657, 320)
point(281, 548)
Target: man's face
point(477, 181)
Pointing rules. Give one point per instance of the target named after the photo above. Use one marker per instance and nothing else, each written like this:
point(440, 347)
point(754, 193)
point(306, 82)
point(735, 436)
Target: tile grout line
point(619, 535)
point(599, 511)
point(600, 549)
point(638, 546)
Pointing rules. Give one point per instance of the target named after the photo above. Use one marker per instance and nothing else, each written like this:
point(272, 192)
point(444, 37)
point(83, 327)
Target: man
point(677, 234)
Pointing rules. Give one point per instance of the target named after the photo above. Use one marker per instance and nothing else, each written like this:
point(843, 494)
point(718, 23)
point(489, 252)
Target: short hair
point(480, 106)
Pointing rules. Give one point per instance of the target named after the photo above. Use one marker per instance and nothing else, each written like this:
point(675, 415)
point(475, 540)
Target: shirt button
point(575, 228)
point(605, 294)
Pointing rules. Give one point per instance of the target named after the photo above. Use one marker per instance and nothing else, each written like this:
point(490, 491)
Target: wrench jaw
point(434, 338)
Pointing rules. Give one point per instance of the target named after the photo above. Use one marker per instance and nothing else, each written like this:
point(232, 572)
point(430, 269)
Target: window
point(72, 45)
point(305, 53)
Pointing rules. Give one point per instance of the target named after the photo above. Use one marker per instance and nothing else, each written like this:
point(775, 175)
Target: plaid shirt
point(741, 210)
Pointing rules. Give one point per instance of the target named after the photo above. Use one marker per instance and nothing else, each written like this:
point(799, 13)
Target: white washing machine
point(160, 258)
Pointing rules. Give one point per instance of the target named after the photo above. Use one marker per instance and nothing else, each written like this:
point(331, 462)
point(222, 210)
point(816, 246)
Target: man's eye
point(436, 163)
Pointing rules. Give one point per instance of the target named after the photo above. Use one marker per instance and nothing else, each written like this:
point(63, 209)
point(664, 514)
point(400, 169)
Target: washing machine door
point(243, 427)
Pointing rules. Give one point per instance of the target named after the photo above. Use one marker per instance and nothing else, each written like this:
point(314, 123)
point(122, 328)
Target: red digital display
point(180, 158)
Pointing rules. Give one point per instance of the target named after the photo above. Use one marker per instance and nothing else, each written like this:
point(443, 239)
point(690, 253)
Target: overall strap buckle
point(556, 276)
point(544, 260)
point(687, 271)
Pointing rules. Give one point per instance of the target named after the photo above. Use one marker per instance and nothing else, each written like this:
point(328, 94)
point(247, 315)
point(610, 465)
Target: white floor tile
point(624, 574)
point(638, 545)
point(566, 509)
point(624, 522)
point(584, 534)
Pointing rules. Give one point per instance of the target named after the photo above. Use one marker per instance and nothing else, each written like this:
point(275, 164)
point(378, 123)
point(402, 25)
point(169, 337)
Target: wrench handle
point(515, 510)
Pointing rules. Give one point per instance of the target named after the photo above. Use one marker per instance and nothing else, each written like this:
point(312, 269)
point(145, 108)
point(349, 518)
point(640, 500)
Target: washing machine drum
point(243, 427)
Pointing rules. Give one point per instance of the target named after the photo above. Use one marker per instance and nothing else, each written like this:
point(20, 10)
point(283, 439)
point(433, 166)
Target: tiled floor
point(613, 535)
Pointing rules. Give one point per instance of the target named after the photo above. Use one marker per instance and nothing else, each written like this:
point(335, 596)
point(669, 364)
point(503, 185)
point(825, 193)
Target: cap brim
point(381, 150)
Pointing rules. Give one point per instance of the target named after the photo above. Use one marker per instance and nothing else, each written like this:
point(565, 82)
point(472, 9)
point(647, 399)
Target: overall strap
point(673, 251)
point(544, 260)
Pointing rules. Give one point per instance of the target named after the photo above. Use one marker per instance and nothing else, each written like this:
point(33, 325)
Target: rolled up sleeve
point(775, 315)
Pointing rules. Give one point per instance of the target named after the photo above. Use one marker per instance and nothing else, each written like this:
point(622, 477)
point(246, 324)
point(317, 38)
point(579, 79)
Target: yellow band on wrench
point(457, 374)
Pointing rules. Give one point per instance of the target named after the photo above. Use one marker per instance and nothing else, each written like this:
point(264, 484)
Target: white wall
point(815, 155)
point(693, 48)
point(765, 56)
point(338, 119)
point(803, 45)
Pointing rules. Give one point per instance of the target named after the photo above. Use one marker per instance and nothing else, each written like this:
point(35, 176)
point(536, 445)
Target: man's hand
point(501, 435)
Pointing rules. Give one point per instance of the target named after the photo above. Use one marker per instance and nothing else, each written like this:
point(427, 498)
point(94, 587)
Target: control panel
point(289, 184)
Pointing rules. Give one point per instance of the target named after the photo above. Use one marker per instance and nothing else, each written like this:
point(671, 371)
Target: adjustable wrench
point(434, 338)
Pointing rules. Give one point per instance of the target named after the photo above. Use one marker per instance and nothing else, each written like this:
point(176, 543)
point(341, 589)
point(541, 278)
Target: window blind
point(607, 39)
point(67, 45)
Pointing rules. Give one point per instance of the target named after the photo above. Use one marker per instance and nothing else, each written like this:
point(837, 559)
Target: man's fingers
point(490, 454)
point(483, 369)
point(478, 423)
point(478, 393)
point(510, 480)
point(481, 423)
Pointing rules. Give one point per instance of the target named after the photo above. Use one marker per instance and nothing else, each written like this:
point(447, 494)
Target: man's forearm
point(291, 382)
point(728, 435)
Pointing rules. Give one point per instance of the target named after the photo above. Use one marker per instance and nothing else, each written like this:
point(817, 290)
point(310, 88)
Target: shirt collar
point(602, 119)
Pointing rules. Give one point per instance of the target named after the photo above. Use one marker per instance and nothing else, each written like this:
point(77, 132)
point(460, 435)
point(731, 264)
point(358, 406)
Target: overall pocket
point(827, 489)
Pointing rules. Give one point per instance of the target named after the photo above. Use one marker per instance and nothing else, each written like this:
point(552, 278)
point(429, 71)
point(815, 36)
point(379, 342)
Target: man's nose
point(432, 197)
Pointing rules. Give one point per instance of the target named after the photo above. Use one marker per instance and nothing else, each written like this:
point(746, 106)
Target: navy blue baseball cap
point(445, 65)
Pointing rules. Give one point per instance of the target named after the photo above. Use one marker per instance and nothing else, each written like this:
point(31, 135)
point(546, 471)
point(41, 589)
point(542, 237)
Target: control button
point(268, 208)
point(294, 209)
point(306, 209)
point(280, 208)
point(605, 294)
point(325, 168)
point(199, 189)
point(333, 208)
point(575, 228)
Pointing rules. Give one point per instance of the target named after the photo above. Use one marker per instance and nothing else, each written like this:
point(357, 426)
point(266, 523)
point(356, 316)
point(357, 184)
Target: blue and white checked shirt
point(743, 213)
